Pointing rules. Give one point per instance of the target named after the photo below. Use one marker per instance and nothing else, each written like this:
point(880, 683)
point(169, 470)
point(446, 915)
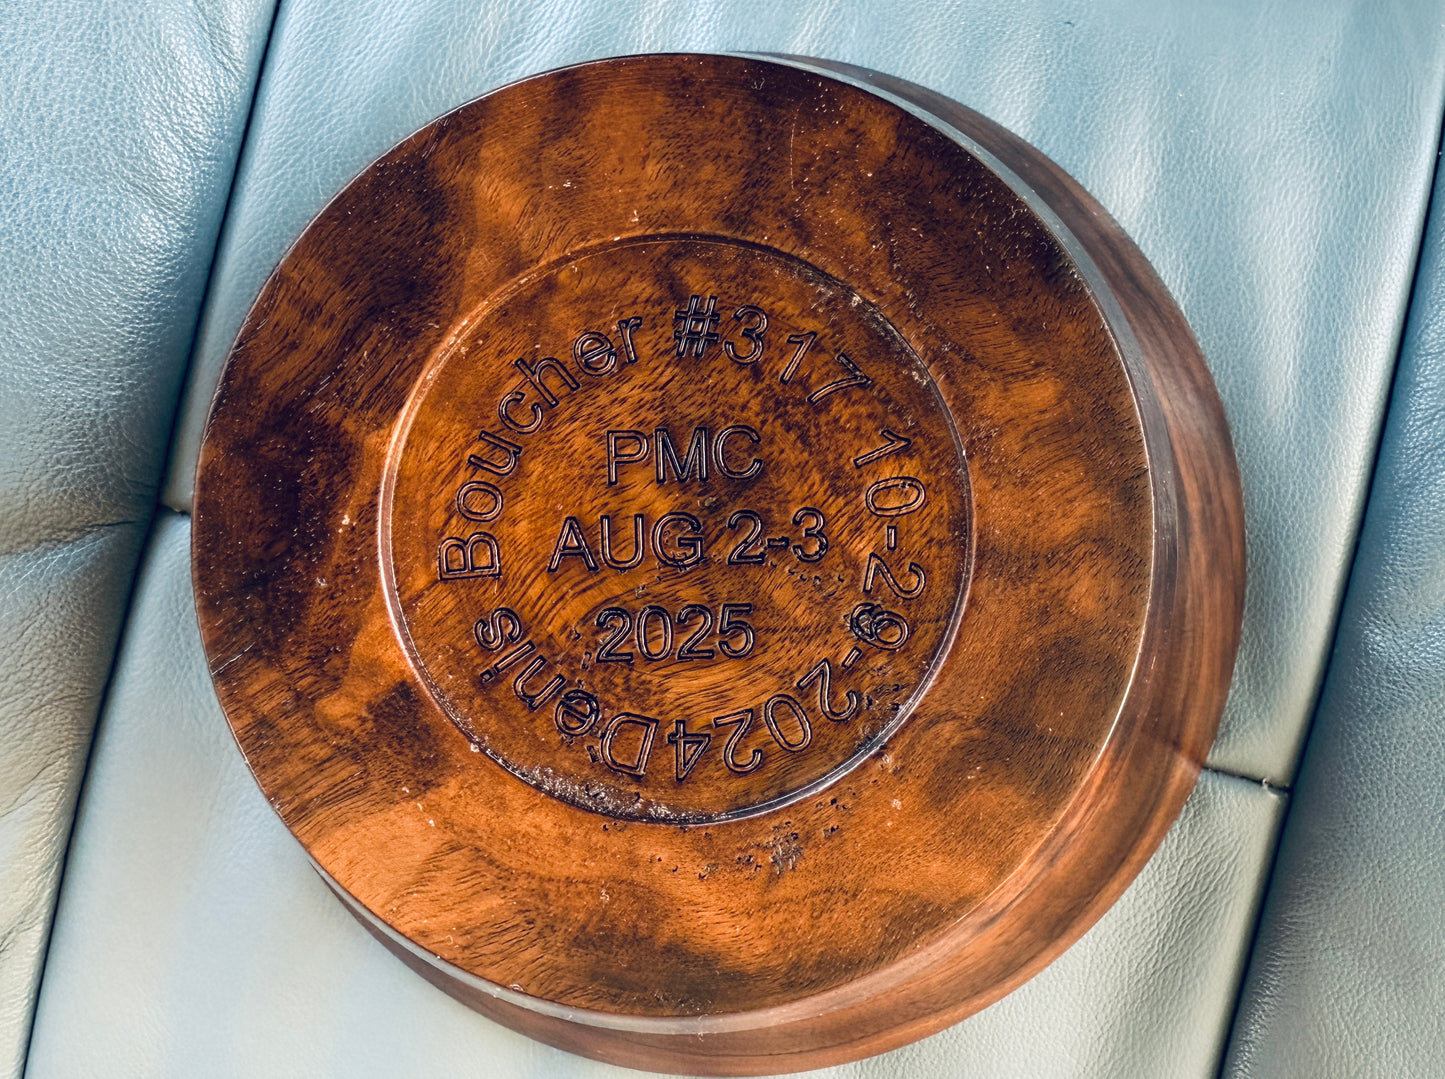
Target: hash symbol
point(696, 326)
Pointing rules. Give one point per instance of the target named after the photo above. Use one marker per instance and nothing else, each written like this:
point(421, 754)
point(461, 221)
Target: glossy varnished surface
point(844, 870)
point(656, 550)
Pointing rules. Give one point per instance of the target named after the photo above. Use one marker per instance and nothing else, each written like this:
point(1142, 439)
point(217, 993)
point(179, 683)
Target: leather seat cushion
point(119, 130)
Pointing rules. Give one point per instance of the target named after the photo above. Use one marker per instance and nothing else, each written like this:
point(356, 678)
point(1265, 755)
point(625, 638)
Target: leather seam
point(189, 371)
point(1428, 218)
point(156, 511)
point(1268, 784)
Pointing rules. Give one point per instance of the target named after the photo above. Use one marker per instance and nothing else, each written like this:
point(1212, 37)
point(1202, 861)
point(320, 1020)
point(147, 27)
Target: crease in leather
point(60, 537)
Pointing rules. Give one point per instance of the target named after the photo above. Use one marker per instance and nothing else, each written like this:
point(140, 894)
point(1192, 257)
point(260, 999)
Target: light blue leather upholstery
point(1349, 971)
point(1273, 161)
point(194, 938)
point(119, 129)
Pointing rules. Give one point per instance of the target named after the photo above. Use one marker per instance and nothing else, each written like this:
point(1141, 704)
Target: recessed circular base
point(725, 567)
point(637, 587)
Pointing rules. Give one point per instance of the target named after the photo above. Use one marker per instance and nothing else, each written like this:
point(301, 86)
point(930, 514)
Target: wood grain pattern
point(918, 601)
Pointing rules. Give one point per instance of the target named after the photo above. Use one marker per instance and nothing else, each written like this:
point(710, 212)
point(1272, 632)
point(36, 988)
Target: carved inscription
point(698, 550)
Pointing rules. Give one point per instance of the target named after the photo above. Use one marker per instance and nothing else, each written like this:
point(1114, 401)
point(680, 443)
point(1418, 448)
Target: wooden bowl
point(726, 564)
